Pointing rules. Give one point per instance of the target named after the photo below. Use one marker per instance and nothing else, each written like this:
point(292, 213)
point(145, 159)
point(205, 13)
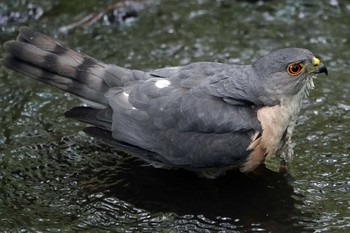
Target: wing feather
point(187, 122)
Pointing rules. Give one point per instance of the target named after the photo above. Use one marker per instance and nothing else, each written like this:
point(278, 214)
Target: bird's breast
point(274, 122)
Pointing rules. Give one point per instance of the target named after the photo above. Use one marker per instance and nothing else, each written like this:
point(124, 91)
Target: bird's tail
point(45, 59)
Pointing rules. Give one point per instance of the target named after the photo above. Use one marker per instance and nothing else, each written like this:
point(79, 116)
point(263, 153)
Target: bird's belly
point(274, 122)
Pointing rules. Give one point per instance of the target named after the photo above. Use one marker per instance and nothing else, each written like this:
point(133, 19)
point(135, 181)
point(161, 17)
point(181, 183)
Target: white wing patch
point(162, 83)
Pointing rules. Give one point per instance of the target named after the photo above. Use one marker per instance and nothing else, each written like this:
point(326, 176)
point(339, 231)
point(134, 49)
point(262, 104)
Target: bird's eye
point(295, 68)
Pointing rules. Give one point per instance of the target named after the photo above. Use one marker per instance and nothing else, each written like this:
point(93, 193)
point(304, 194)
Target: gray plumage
point(200, 116)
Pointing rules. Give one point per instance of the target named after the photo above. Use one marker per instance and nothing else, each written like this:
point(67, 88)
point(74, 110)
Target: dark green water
point(55, 178)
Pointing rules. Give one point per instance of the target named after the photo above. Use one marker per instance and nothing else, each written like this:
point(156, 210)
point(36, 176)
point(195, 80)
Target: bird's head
point(285, 72)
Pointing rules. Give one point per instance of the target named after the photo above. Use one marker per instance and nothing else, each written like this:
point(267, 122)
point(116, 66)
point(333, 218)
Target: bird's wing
point(184, 115)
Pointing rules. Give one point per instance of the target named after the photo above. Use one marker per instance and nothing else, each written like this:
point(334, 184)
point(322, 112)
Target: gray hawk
point(206, 117)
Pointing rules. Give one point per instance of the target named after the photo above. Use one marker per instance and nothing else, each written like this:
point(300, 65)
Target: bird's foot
point(283, 166)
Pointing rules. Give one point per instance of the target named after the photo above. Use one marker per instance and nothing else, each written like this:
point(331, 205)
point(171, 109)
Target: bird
point(206, 117)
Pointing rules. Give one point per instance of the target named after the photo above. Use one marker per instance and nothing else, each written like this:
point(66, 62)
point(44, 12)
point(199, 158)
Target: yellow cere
point(316, 61)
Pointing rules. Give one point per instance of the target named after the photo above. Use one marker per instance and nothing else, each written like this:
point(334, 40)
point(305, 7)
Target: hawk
point(206, 117)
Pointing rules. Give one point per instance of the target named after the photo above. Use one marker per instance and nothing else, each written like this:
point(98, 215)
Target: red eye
point(295, 69)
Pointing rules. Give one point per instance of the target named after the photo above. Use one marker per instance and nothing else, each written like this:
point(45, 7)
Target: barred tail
point(45, 59)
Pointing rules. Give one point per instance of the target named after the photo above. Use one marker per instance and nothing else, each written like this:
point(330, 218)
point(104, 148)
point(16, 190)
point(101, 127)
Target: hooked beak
point(321, 69)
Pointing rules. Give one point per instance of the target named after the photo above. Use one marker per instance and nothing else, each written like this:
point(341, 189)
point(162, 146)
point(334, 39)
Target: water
point(55, 178)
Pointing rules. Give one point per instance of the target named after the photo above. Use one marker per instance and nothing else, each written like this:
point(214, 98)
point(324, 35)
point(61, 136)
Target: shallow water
point(55, 178)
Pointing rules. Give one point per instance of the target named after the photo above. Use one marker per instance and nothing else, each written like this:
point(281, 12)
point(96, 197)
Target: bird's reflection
point(266, 198)
point(97, 186)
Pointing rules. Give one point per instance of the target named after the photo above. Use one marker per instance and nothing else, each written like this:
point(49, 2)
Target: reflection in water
point(263, 201)
point(89, 186)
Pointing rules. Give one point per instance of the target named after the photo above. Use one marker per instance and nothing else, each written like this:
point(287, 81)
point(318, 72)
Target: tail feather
point(39, 40)
point(86, 92)
point(45, 59)
point(82, 69)
point(101, 118)
point(50, 49)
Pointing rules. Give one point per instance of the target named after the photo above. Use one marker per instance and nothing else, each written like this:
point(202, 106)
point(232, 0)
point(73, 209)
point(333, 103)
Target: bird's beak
point(320, 67)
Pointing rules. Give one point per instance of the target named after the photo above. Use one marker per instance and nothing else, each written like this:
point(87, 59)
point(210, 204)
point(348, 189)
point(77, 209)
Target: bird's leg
point(283, 166)
point(287, 152)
